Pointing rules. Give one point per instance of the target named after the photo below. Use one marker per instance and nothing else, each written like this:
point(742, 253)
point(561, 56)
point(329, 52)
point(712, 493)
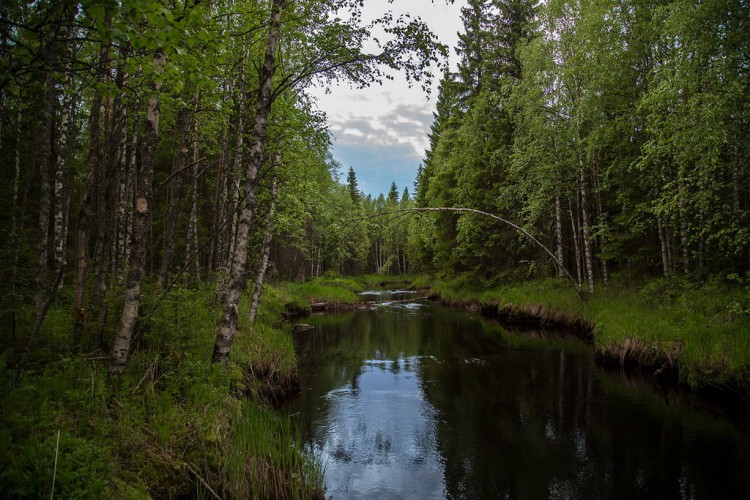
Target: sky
point(381, 131)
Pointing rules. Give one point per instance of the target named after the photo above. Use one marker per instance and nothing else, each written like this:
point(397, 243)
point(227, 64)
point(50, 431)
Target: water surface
point(413, 400)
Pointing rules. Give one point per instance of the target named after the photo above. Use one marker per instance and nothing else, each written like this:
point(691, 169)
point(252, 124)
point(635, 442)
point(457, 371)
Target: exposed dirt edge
point(660, 361)
point(264, 383)
point(295, 311)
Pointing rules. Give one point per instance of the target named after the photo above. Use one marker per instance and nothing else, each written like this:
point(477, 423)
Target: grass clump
point(370, 281)
point(261, 465)
point(329, 288)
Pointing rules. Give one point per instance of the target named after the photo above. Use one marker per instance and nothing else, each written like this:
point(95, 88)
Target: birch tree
point(141, 217)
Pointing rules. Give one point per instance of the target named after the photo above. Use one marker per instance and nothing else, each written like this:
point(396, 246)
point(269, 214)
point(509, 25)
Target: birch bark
point(237, 274)
point(141, 217)
point(260, 278)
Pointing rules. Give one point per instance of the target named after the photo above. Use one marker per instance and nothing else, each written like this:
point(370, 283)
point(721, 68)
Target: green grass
point(329, 288)
point(168, 427)
point(704, 328)
point(370, 281)
point(260, 465)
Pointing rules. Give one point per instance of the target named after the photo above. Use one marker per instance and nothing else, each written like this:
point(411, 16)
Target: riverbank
point(698, 335)
point(175, 425)
point(332, 293)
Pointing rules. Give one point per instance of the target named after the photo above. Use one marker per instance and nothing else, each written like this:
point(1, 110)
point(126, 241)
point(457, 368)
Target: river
point(414, 400)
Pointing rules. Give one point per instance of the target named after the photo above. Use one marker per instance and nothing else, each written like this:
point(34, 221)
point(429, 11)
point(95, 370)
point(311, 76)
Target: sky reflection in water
point(412, 400)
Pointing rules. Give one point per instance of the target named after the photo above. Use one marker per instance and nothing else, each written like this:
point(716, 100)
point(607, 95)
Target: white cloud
point(381, 131)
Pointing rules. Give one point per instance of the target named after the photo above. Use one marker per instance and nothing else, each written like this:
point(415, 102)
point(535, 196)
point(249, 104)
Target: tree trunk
point(663, 243)
point(191, 251)
point(126, 215)
point(16, 174)
point(736, 182)
point(19, 212)
point(669, 239)
point(45, 196)
point(216, 250)
point(576, 244)
point(702, 260)
point(265, 249)
point(585, 218)
point(559, 230)
point(237, 277)
point(683, 220)
point(107, 207)
point(82, 243)
point(234, 176)
point(141, 217)
point(174, 197)
point(122, 196)
point(602, 221)
point(84, 212)
point(660, 226)
point(59, 230)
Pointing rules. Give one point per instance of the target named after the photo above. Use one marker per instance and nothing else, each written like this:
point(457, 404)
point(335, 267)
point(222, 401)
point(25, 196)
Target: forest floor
point(697, 334)
point(174, 425)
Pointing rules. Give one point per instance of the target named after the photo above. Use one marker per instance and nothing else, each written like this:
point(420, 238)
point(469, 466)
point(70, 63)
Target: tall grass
point(266, 459)
point(704, 328)
point(385, 280)
point(330, 288)
point(320, 292)
point(166, 429)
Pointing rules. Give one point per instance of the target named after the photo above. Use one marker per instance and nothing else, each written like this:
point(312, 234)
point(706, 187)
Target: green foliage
point(601, 124)
point(173, 414)
point(81, 469)
point(329, 288)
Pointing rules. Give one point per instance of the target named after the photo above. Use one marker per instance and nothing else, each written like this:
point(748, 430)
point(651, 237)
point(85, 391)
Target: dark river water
point(413, 400)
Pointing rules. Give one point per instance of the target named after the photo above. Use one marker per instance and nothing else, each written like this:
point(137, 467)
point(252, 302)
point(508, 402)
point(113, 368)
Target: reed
point(266, 458)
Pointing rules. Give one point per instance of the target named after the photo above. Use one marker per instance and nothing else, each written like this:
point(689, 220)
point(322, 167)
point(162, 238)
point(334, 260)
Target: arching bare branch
point(504, 221)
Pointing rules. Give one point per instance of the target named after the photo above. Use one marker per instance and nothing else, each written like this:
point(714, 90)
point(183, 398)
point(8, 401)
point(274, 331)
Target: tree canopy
point(613, 132)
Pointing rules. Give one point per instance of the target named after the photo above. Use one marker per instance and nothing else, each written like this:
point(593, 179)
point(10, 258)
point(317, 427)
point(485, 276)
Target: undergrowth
point(174, 425)
point(328, 288)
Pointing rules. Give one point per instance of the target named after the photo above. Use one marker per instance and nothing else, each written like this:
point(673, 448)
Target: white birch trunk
point(576, 246)
point(260, 278)
point(237, 276)
point(141, 215)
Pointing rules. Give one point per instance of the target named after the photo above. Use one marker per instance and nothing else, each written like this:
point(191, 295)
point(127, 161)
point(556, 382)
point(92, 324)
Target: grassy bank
point(703, 330)
point(337, 292)
point(175, 425)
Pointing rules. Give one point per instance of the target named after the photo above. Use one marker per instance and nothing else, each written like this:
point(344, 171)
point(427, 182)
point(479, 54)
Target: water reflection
point(377, 437)
point(415, 401)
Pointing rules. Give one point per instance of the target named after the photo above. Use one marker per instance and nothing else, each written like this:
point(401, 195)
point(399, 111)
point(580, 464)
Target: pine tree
point(351, 182)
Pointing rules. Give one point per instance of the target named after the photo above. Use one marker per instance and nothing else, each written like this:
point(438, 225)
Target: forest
point(165, 171)
point(615, 131)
